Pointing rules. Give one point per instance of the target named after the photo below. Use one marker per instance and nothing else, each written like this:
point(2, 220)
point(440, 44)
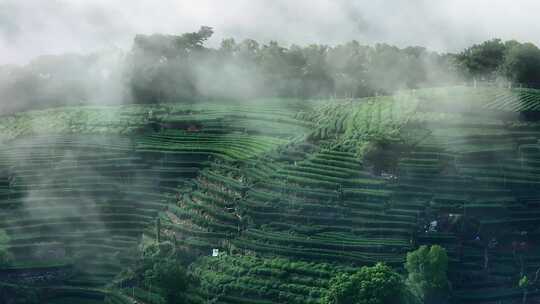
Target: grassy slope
point(289, 215)
point(81, 184)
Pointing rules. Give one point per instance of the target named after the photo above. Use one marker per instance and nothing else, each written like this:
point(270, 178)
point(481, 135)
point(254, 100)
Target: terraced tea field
point(77, 194)
point(290, 192)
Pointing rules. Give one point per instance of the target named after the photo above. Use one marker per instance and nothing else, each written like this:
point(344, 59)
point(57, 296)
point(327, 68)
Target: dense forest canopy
point(180, 68)
point(495, 60)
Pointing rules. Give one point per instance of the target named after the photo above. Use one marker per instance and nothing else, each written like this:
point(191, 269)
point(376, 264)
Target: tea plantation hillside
point(290, 192)
point(79, 185)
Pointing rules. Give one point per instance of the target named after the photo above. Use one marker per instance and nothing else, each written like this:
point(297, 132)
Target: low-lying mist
point(69, 79)
point(181, 68)
point(169, 68)
point(75, 198)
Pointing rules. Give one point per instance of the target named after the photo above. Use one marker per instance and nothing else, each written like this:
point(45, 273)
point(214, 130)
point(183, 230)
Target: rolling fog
point(56, 53)
point(31, 28)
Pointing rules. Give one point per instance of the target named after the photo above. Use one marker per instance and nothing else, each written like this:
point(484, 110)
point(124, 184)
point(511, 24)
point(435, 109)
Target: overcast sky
point(29, 28)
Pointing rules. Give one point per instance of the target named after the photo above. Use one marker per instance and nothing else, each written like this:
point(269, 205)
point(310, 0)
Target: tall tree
point(427, 273)
point(370, 285)
point(522, 63)
point(162, 67)
point(483, 60)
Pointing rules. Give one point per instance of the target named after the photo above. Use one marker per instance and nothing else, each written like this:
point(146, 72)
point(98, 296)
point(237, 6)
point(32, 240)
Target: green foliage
point(370, 285)
point(158, 276)
point(518, 62)
point(151, 80)
point(180, 68)
point(169, 278)
point(427, 273)
point(522, 63)
point(308, 227)
point(359, 123)
point(483, 59)
point(268, 279)
point(523, 282)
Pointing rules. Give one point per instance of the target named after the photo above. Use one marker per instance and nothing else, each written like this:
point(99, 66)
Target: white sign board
point(215, 252)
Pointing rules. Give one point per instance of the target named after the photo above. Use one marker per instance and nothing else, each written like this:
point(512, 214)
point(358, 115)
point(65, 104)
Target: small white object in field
point(433, 226)
point(215, 252)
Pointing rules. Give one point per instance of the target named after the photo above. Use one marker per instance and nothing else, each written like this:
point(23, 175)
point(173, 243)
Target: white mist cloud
point(29, 28)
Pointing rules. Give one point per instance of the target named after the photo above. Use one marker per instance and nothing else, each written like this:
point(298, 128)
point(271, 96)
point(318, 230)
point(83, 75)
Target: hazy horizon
point(32, 28)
